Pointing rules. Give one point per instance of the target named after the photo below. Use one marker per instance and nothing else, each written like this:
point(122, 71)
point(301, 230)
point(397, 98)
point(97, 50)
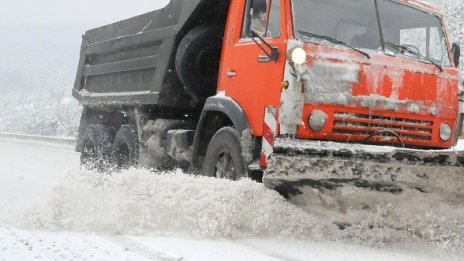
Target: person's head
point(259, 7)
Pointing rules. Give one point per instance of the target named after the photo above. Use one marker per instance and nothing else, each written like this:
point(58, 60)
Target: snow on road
point(50, 210)
point(16, 244)
point(29, 170)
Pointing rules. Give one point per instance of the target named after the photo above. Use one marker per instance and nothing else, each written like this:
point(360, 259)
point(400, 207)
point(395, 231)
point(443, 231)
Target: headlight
point(445, 132)
point(297, 55)
point(317, 120)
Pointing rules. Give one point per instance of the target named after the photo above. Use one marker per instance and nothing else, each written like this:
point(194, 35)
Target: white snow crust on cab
point(331, 83)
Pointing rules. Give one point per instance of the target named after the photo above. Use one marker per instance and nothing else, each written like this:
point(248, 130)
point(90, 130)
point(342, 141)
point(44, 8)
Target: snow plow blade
point(338, 180)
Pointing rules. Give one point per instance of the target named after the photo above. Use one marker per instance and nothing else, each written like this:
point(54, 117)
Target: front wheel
point(224, 156)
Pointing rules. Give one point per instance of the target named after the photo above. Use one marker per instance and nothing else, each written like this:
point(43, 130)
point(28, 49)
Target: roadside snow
point(16, 244)
point(271, 249)
point(169, 216)
point(29, 171)
point(140, 202)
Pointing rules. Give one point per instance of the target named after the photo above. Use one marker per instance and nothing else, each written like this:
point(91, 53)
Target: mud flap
point(341, 181)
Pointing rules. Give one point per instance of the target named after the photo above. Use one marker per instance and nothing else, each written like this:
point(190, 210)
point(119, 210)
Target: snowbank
point(139, 202)
point(30, 171)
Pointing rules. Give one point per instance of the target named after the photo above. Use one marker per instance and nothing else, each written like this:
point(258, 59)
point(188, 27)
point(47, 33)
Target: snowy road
point(29, 170)
point(49, 210)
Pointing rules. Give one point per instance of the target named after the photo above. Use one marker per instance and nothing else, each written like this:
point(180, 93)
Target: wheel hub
point(224, 167)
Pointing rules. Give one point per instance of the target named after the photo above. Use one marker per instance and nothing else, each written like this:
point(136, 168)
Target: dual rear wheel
point(104, 148)
point(96, 147)
point(125, 152)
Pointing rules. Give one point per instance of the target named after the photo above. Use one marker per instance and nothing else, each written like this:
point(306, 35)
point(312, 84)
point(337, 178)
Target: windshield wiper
point(402, 48)
point(335, 41)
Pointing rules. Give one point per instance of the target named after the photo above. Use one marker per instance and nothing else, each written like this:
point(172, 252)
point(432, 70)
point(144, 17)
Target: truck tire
point(126, 147)
point(224, 156)
point(97, 141)
point(197, 59)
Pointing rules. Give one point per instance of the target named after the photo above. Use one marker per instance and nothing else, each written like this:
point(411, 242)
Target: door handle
point(229, 36)
point(231, 73)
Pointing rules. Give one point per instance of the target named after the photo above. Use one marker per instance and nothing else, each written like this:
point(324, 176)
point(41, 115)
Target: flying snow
point(140, 202)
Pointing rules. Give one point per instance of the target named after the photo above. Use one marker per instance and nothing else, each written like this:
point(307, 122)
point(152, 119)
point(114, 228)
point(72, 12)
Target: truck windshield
point(355, 23)
point(414, 29)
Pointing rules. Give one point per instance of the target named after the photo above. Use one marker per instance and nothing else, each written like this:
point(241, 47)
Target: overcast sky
point(40, 39)
point(50, 12)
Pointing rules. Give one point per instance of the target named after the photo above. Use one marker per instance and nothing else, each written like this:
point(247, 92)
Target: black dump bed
point(131, 62)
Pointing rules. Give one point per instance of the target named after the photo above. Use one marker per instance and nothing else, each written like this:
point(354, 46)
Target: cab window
point(418, 31)
point(273, 27)
point(262, 17)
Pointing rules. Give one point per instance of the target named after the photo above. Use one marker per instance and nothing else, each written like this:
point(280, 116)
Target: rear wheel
point(224, 156)
point(97, 141)
point(126, 147)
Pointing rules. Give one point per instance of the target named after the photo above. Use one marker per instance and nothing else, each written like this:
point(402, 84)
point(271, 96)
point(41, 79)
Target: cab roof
point(423, 5)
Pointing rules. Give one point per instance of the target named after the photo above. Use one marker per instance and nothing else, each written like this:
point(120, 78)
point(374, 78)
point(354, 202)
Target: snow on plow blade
point(336, 179)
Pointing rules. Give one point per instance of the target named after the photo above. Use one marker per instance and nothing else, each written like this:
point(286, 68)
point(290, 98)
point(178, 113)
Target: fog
point(40, 39)
point(78, 12)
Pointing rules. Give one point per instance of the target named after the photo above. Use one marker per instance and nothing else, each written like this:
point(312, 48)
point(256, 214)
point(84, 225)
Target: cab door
point(247, 74)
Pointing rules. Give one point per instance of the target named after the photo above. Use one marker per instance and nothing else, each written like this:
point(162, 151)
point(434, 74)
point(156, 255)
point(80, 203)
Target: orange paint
point(432, 95)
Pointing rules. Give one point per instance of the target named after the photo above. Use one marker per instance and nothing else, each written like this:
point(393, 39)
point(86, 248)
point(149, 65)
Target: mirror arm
point(274, 55)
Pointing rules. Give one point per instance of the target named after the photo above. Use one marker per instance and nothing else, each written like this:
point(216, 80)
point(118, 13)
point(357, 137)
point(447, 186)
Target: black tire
point(126, 147)
point(224, 156)
point(97, 142)
point(197, 59)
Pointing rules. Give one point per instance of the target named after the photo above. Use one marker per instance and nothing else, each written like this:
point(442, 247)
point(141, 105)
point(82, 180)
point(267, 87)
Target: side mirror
point(456, 51)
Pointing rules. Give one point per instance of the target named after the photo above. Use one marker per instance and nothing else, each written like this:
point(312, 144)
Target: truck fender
point(226, 107)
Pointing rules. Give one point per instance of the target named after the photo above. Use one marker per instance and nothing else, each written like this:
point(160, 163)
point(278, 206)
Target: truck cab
point(379, 72)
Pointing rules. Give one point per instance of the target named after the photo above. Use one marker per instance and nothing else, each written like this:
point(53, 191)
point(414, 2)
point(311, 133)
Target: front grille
point(364, 124)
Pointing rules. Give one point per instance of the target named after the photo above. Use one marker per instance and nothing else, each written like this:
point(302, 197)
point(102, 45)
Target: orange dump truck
point(322, 96)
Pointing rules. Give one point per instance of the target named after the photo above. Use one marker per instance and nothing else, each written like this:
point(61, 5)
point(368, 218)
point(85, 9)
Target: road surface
point(47, 212)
